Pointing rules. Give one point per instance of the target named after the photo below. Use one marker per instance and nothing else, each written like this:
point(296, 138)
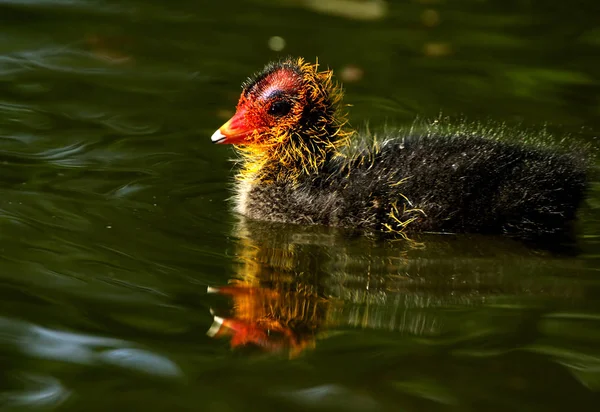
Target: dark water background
point(114, 217)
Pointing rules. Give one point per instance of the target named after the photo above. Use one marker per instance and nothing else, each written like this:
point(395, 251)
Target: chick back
point(432, 183)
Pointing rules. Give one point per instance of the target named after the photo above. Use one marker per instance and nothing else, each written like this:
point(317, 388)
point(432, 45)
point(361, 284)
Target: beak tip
point(217, 137)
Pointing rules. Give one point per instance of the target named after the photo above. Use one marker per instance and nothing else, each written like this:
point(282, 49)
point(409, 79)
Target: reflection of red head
point(254, 322)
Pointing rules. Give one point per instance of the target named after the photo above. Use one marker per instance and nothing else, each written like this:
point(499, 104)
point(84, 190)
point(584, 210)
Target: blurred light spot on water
point(350, 9)
point(276, 43)
point(351, 73)
point(430, 18)
point(437, 49)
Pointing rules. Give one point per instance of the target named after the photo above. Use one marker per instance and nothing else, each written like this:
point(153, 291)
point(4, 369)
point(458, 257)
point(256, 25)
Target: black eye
point(280, 108)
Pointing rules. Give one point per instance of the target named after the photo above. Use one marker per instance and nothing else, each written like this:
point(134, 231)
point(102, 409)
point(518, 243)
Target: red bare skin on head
point(285, 80)
point(252, 112)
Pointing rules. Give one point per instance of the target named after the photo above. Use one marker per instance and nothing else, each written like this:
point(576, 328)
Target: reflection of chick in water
point(278, 303)
point(296, 283)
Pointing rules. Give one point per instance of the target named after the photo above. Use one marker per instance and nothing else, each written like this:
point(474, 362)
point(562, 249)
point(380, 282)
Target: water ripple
point(40, 391)
point(43, 343)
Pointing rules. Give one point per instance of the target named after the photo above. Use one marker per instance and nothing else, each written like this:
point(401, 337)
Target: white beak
point(217, 137)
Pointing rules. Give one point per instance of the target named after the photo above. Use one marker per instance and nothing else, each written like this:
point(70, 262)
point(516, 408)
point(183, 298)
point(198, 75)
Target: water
point(114, 217)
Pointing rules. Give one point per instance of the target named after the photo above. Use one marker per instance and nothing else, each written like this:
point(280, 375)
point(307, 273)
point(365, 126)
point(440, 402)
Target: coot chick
point(300, 163)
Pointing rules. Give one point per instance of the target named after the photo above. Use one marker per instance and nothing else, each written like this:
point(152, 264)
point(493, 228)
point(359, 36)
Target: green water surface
point(114, 213)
